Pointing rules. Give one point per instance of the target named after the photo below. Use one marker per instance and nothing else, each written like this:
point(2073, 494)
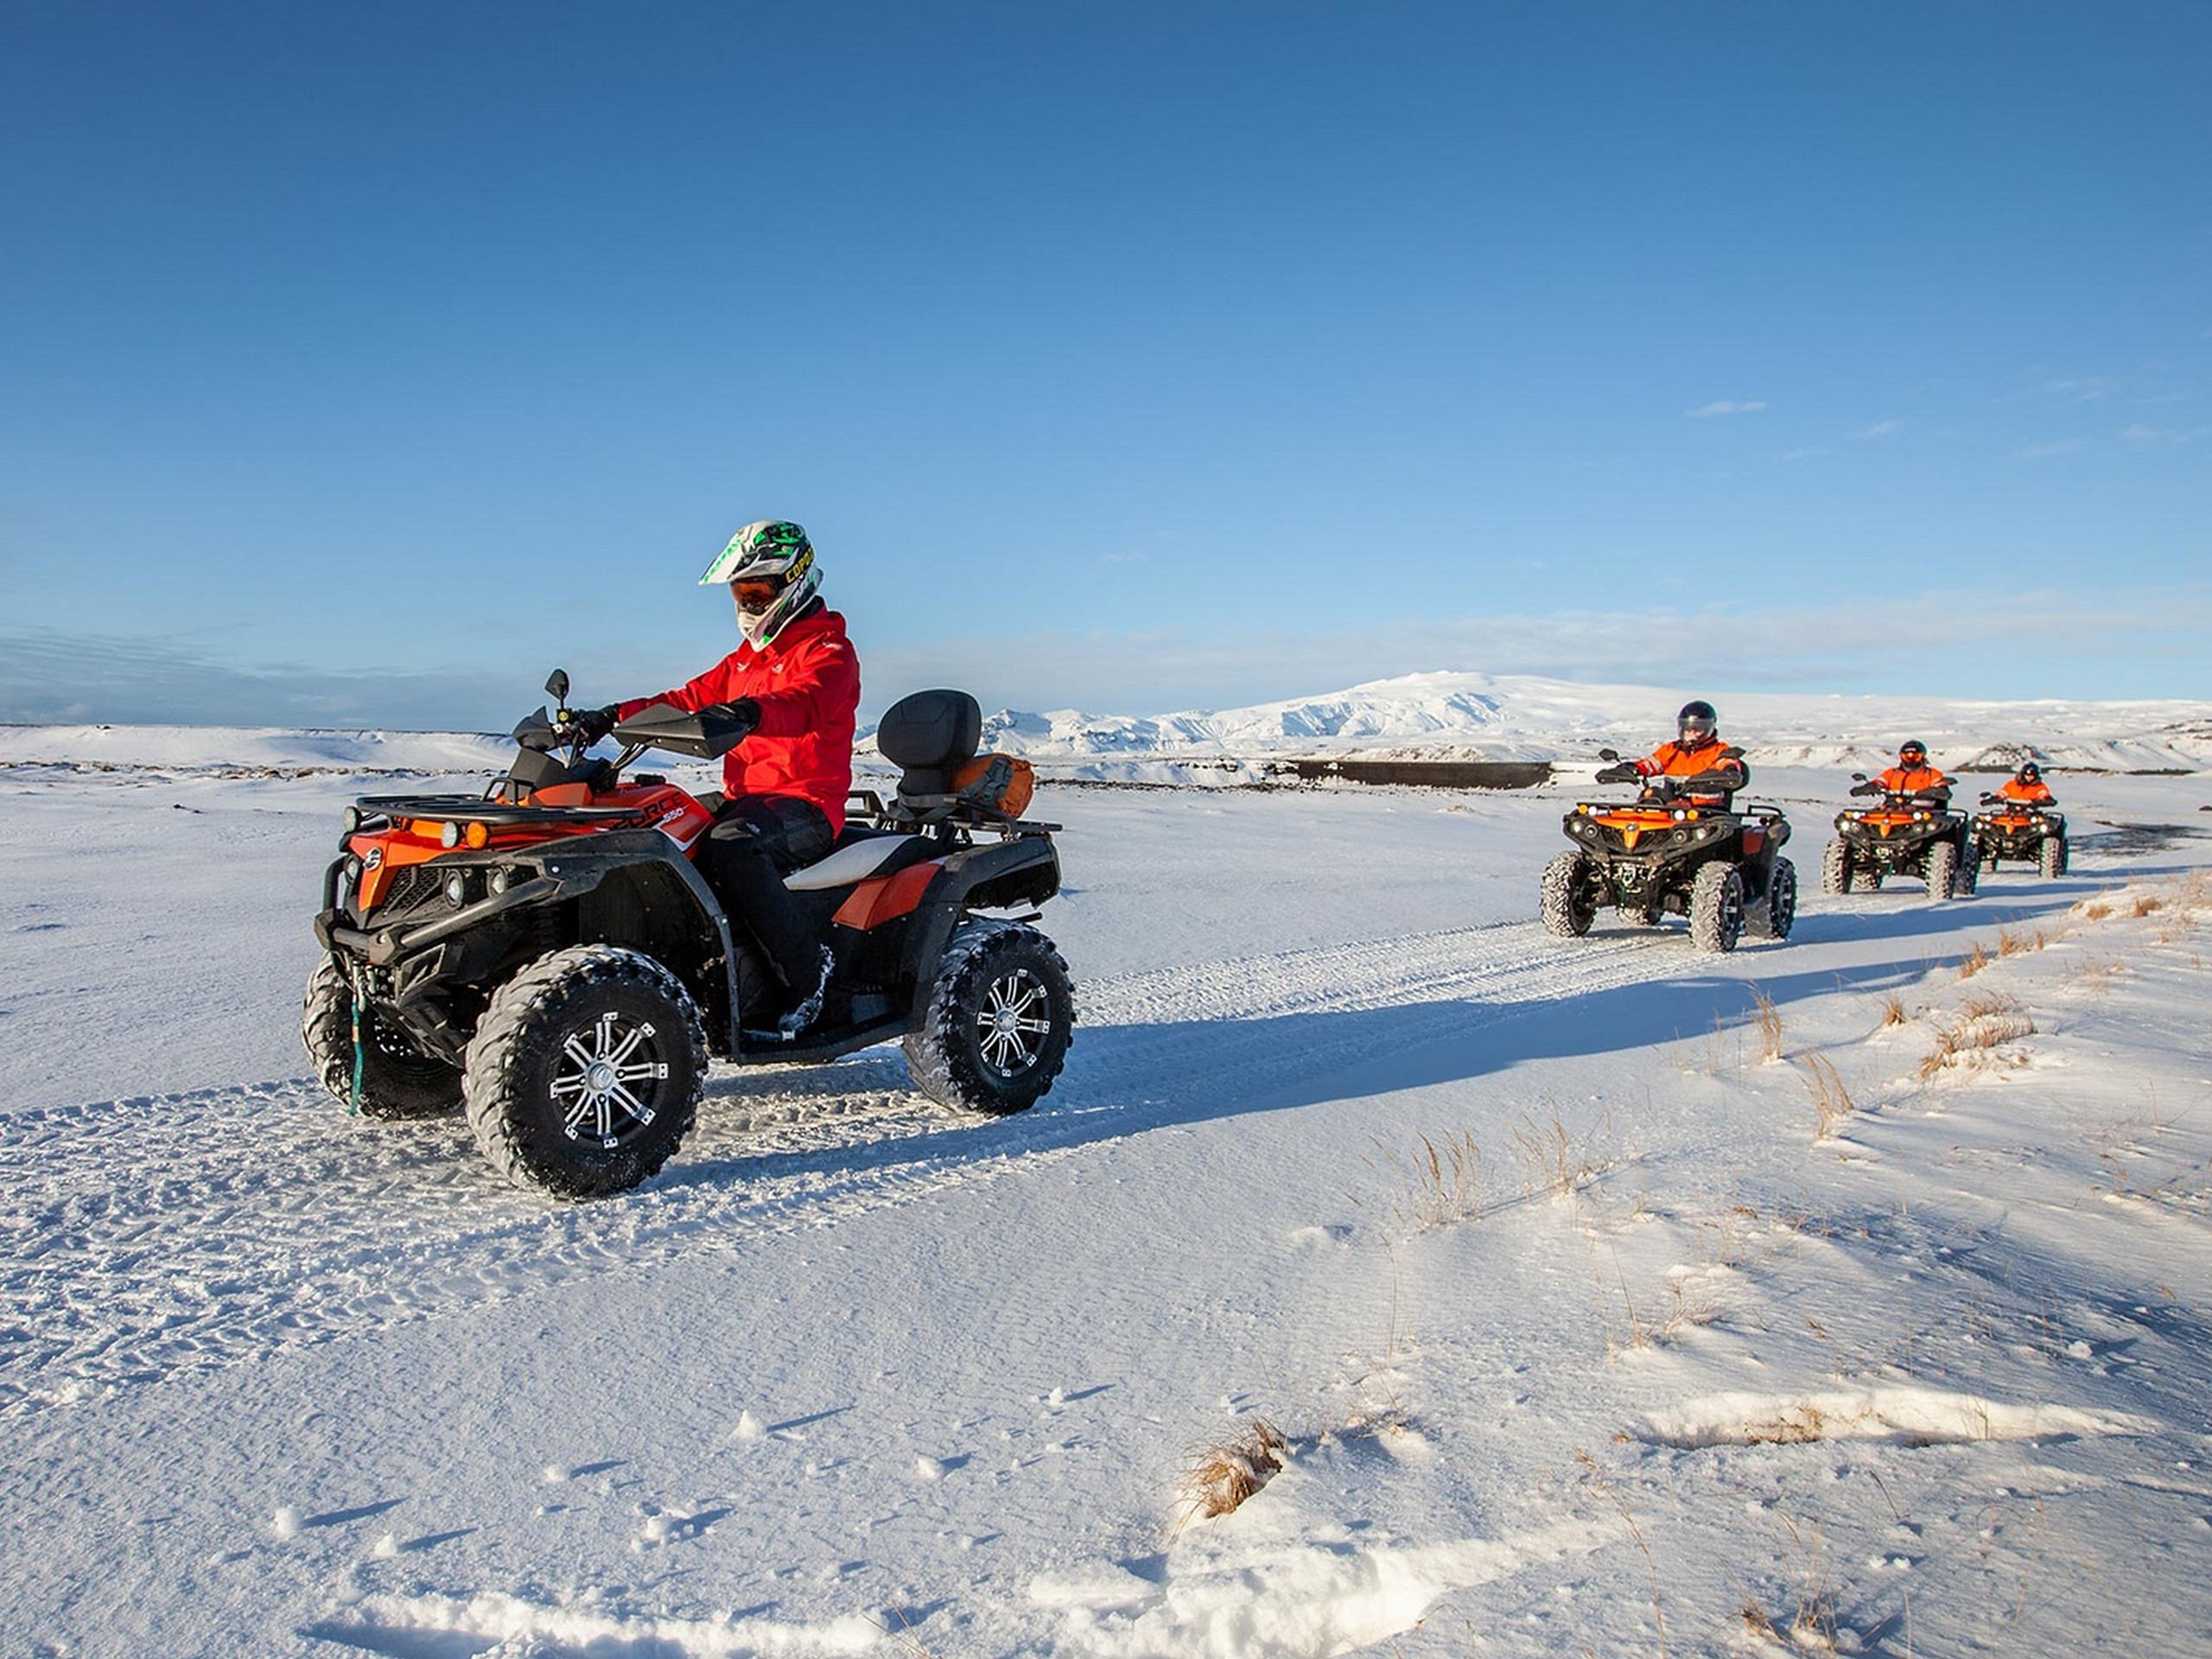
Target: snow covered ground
point(1587, 1331)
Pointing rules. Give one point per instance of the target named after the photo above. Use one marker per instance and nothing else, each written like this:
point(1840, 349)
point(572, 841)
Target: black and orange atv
point(2023, 832)
point(1917, 837)
point(548, 957)
point(1669, 855)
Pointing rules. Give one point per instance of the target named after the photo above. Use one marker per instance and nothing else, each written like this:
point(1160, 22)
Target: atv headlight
point(1679, 815)
point(456, 887)
point(501, 877)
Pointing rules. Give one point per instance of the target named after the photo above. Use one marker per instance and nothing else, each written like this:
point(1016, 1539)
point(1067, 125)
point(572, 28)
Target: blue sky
point(358, 364)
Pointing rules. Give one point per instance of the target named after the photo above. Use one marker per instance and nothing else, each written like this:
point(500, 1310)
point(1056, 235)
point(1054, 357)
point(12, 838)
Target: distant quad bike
point(1917, 837)
point(547, 957)
point(2017, 830)
point(1665, 854)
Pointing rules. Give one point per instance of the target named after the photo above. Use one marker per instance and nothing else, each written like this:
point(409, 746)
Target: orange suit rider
point(1697, 751)
point(2026, 787)
point(1912, 775)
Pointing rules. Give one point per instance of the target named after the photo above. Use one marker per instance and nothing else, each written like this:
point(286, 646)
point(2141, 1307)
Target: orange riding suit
point(2036, 794)
point(1914, 780)
point(1675, 761)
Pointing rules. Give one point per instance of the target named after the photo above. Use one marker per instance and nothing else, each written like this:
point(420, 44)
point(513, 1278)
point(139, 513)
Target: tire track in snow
point(163, 1233)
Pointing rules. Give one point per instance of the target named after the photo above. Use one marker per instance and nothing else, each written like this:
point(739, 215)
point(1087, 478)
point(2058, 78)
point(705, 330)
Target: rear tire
point(585, 1073)
point(1002, 1014)
point(2050, 858)
point(1866, 878)
point(1716, 907)
point(1568, 905)
point(1942, 869)
point(1968, 881)
point(1835, 868)
point(1777, 913)
point(397, 1079)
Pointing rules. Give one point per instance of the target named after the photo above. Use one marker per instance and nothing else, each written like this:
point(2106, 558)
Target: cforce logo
point(375, 860)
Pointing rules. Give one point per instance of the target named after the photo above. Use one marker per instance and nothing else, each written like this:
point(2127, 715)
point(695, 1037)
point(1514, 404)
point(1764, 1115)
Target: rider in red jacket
point(796, 681)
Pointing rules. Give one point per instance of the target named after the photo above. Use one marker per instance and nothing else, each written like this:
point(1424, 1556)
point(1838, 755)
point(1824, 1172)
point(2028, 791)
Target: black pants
point(756, 841)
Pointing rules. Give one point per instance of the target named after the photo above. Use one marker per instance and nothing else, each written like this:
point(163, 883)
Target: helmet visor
point(1696, 728)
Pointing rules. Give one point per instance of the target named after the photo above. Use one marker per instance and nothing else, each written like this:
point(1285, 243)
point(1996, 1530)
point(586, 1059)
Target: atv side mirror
point(556, 687)
point(1609, 754)
point(1857, 777)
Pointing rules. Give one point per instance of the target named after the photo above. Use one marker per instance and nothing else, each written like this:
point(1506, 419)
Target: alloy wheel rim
point(606, 1085)
point(1013, 1022)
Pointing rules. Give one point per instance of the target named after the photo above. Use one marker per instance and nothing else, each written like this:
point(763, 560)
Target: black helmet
point(2029, 773)
point(1912, 749)
point(1697, 723)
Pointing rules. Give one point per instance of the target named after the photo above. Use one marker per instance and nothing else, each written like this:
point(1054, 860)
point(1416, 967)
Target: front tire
point(1835, 868)
point(585, 1073)
point(397, 1079)
point(1716, 907)
point(1002, 1014)
point(1778, 914)
point(2050, 858)
point(1942, 869)
point(1568, 905)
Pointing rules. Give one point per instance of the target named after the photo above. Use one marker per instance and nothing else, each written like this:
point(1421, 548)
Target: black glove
point(738, 711)
point(1992, 800)
point(591, 724)
point(1623, 773)
point(1866, 789)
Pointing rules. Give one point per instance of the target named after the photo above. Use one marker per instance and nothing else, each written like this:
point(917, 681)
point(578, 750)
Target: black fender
point(1023, 869)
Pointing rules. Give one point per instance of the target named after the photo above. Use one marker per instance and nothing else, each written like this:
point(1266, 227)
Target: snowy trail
point(273, 1221)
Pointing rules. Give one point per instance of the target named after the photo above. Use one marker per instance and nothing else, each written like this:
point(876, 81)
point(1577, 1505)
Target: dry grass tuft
point(2018, 942)
point(1217, 1479)
point(1549, 1159)
point(1831, 1101)
point(1766, 1020)
point(1893, 1012)
point(1983, 1023)
point(1443, 1182)
point(1976, 960)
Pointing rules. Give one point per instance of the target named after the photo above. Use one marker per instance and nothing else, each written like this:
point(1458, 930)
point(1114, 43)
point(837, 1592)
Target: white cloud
point(1707, 411)
point(1879, 429)
point(1806, 452)
point(2039, 451)
point(2084, 388)
point(2140, 434)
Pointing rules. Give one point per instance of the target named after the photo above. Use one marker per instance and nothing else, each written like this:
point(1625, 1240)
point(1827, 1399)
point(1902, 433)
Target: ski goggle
point(756, 592)
point(1912, 751)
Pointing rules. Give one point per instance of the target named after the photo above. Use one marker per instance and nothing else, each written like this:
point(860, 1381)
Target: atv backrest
point(929, 736)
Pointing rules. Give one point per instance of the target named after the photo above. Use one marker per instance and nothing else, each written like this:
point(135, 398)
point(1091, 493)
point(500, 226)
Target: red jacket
point(808, 685)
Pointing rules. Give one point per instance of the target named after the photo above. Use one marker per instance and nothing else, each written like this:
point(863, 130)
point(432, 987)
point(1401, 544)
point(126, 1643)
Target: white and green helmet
point(770, 550)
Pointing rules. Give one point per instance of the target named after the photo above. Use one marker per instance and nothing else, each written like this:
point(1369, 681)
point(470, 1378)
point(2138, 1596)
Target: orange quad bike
point(1917, 837)
point(547, 957)
point(1668, 853)
point(2025, 831)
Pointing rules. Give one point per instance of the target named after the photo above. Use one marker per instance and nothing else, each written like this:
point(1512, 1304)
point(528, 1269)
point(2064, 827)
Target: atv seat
point(860, 853)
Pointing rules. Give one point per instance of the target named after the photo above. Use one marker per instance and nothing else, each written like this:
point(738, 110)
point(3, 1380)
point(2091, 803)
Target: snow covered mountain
point(1457, 716)
point(1471, 716)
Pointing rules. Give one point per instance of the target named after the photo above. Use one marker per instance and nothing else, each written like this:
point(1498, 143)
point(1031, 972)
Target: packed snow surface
point(1848, 1294)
